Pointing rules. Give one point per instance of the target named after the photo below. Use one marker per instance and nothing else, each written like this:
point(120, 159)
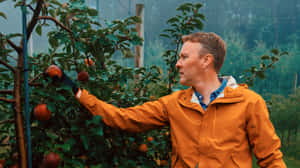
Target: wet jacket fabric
point(223, 136)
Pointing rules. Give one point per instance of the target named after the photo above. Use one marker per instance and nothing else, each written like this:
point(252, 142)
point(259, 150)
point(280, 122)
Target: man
point(216, 123)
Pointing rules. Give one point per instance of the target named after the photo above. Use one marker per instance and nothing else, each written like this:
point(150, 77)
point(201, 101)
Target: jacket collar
point(231, 94)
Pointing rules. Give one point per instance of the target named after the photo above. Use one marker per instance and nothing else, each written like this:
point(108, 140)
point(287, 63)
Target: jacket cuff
point(78, 94)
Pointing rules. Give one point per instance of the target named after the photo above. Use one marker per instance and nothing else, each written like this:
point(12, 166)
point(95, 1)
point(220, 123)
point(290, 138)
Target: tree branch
point(35, 78)
point(12, 57)
point(6, 91)
point(31, 82)
point(7, 121)
point(30, 7)
point(8, 66)
point(34, 18)
point(36, 84)
point(7, 100)
point(14, 46)
point(57, 22)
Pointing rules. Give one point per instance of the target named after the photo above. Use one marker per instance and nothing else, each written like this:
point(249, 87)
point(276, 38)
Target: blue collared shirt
point(213, 95)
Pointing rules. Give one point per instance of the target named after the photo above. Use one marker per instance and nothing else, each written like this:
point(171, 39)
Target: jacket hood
point(232, 93)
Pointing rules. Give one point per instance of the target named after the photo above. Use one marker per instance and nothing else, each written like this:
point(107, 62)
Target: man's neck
point(207, 85)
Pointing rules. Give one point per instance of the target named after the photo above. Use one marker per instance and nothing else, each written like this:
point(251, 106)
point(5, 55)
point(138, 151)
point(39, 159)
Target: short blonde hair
point(212, 43)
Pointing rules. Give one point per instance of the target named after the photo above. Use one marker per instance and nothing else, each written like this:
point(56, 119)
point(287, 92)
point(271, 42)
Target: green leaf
point(38, 30)
point(265, 57)
point(68, 144)
point(51, 107)
point(165, 35)
point(136, 19)
point(198, 5)
point(2, 1)
point(284, 53)
point(92, 12)
point(52, 12)
point(3, 15)
point(253, 69)
point(261, 74)
point(136, 40)
point(127, 53)
point(170, 30)
point(199, 25)
point(112, 37)
point(95, 120)
point(275, 51)
point(55, 2)
point(51, 135)
point(274, 59)
point(173, 20)
point(74, 129)
point(97, 131)
point(77, 5)
point(184, 7)
point(14, 35)
point(3, 69)
point(96, 166)
point(199, 15)
point(53, 42)
point(60, 98)
point(64, 87)
point(85, 141)
point(19, 3)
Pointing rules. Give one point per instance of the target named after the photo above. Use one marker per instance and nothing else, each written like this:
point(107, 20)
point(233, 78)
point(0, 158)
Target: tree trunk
point(295, 82)
point(18, 114)
point(289, 137)
point(296, 133)
point(282, 139)
point(139, 50)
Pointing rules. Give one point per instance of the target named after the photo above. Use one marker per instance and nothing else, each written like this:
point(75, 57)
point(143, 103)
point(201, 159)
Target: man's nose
point(178, 63)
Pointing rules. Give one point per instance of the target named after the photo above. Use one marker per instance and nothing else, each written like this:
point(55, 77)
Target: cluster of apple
point(144, 148)
point(82, 76)
point(50, 160)
point(42, 113)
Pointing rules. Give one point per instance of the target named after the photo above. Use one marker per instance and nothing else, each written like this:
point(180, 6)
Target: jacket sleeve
point(140, 118)
point(263, 139)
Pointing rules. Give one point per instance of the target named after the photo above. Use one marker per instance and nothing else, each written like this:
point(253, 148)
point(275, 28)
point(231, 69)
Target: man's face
point(190, 64)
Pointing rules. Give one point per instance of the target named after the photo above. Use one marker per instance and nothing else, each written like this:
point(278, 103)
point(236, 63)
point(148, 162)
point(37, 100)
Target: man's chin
point(182, 82)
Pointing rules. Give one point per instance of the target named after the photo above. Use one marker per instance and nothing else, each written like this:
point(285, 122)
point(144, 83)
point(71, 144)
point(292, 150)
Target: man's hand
point(58, 76)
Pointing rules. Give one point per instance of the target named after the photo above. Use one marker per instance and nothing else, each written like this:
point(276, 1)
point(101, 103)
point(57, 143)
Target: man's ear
point(208, 59)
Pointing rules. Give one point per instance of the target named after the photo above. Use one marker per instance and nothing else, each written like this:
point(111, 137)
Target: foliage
point(189, 20)
point(240, 57)
point(72, 132)
point(285, 116)
point(266, 62)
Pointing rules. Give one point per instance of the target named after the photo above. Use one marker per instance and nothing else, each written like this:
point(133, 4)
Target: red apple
point(51, 160)
point(83, 76)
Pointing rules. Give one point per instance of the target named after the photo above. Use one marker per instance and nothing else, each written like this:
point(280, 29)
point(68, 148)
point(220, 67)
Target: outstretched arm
point(134, 119)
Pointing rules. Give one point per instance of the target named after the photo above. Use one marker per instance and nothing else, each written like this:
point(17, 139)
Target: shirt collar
point(214, 94)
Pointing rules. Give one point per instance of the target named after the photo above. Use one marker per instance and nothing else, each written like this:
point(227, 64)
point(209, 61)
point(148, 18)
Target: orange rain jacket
point(223, 136)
